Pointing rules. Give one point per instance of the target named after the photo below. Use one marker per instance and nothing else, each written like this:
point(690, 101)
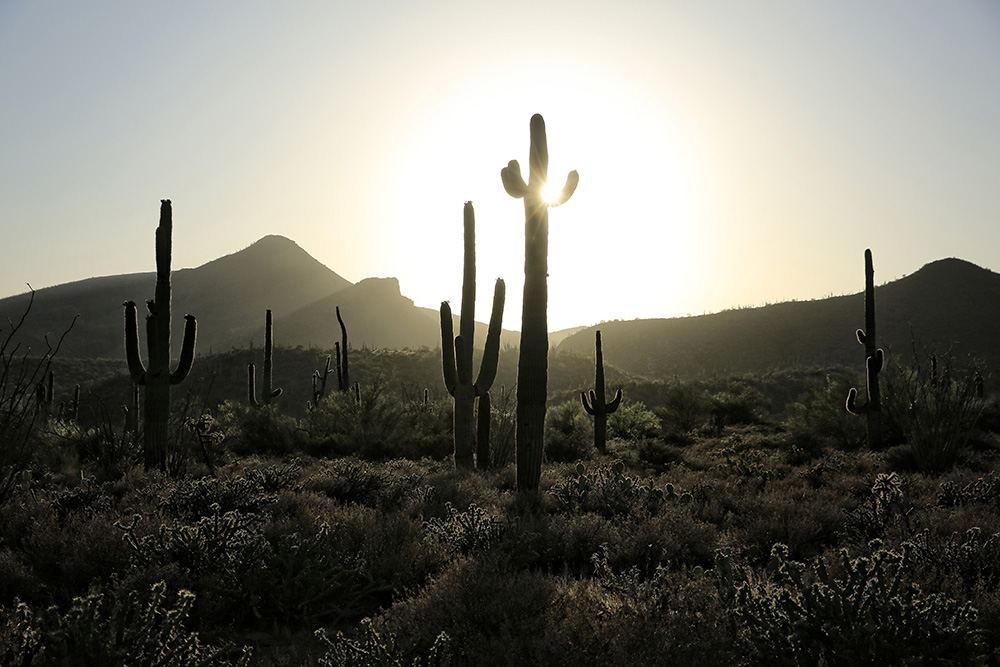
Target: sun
point(551, 192)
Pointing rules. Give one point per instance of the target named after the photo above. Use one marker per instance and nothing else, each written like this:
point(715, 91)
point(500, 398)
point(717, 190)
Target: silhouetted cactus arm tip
point(572, 180)
point(491, 352)
point(851, 403)
point(513, 182)
point(448, 349)
point(187, 350)
point(616, 401)
point(135, 367)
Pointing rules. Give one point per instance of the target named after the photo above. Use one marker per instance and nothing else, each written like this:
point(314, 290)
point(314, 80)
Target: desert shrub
point(935, 410)
point(870, 615)
point(685, 407)
point(492, 613)
point(221, 557)
point(608, 490)
point(312, 582)
point(426, 430)
point(106, 629)
point(738, 404)
point(502, 420)
point(197, 498)
point(261, 429)
point(569, 433)
point(465, 532)
point(353, 481)
point(985, 490)
point(820, 417)
point(371, 424)
point(371, 648)
point(883, 507)
point(659, 452)
point(23, 402)
point(632, 422)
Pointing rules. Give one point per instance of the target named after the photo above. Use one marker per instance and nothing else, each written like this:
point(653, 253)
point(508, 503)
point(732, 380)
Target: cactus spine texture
point(156, 378)
point(456, 353)
point(532, 364)
point(872, 410)
point(268, 393)
point(595, 404)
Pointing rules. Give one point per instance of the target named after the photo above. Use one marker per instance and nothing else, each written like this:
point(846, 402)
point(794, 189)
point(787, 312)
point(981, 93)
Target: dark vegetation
point(702, 519)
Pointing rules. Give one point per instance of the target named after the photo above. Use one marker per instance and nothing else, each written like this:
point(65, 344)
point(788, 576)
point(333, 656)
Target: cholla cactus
point(456, 353)
point(532, 365)
point(157, 378)
point(594, 402)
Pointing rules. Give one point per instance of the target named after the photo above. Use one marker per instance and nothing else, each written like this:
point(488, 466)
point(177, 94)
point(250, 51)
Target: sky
point(730, 153)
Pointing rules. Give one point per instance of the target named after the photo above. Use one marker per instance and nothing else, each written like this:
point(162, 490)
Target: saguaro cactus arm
point(448, 348)
point(187, 350)
point(135, 367)
point(491, 353)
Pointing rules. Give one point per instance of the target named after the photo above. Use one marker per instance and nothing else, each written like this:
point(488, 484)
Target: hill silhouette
point(229, 296)
point(948, 305)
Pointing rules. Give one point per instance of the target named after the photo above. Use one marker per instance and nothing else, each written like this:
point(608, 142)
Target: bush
point(632, 422)
point(371, 425)
point(260, 430)
point(867, 616)
point(569, 433)
point(607, 490)
point(105, 629)
point(936, 412)
point(685, 407)
point(820, 417)
point(739, 404)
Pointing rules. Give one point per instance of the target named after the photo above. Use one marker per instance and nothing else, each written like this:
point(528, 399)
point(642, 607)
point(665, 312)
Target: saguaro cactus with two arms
point(156, 378)
point(594, 402)
point(872, 410)
point(267, 392)
point(456, 353)
point(532, 364)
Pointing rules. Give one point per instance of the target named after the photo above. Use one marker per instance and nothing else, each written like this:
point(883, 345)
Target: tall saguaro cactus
point(343, 374)
point(532, 364)
point(456, 353)
point(872, 410)
point(156, 378)
point(594, 402)
point(267, 393)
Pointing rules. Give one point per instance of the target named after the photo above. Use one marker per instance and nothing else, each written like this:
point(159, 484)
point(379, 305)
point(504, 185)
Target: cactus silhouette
point(156, 378)
point(343, 375)
point(456, 353)
point(267, 392)
point(319, 383)
point(874, 357)
point(594, 402)
point(483, 425)
point(532, 364)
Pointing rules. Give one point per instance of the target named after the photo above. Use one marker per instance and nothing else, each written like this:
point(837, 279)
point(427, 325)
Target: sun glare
point(596, 127)
point(550, 192)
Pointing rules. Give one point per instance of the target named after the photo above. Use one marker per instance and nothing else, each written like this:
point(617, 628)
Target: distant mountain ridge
point(949, 305)
point(229, 296)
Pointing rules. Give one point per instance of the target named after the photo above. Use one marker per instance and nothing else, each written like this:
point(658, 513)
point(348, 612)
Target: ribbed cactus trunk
point(268, 392)
point(156, 378)
point(595, 404)
point(532, 364)
point(483, 409)
point(874, 358)
point(456, 354)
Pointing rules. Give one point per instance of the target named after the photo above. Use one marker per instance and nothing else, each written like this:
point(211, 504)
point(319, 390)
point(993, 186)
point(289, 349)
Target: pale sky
point(730, 153)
